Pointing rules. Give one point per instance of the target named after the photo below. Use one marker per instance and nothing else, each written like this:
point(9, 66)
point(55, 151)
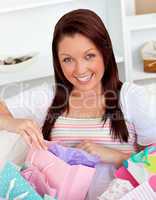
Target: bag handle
point(141, 157)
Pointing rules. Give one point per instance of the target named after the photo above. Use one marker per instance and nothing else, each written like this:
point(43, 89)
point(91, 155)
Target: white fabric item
point(148, 50)
point(32, 103)
point(139, 110)
point(12, 148)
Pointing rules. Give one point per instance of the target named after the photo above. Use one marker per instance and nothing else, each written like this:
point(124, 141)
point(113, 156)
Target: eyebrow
point(65, 54)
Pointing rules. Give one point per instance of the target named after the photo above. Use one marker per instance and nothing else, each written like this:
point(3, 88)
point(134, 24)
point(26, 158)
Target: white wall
point(31, 29)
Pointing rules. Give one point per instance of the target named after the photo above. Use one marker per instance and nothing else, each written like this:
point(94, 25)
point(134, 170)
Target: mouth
point(85, 79)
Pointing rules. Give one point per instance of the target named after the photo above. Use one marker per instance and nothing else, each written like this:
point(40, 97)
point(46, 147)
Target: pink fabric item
point(38, 181)
point(71, 182)
point(123, 173)
point(152, 182)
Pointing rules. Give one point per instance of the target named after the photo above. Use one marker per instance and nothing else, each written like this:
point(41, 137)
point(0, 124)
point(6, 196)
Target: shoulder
point(138, 109)
point(132, 92)
point(129, 88)
point(133, 97)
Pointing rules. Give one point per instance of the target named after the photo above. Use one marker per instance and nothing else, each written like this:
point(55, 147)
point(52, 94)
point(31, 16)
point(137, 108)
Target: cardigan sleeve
point(32, 103)
point(138, 108)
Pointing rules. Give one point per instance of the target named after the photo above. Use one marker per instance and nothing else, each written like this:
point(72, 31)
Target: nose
point(80, 68)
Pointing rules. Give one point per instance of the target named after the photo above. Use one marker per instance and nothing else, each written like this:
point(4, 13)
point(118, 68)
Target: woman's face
point(81, 63)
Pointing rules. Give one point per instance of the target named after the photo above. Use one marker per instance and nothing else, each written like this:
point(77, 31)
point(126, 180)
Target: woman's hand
point(106, 154)
point(29, 129)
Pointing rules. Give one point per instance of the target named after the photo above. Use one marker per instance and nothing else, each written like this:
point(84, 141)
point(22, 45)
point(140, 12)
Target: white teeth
point(85, 78)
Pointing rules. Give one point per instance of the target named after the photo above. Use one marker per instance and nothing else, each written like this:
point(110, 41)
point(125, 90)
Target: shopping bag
point(142, 192)
point(124, 174)
point(13, 186)
point(142, 165)
point(38, 181)
point(70, 181)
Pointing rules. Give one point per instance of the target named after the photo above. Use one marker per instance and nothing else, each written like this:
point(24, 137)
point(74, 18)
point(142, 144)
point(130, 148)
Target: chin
point(86, 88)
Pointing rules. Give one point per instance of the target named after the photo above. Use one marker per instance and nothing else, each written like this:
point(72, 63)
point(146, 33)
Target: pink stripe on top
point(72, 131)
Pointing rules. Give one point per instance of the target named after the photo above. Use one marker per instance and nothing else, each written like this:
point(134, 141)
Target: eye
point(90, 56)
point(67, 60)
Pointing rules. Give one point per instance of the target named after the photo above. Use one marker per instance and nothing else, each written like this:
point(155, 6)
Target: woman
point(91, 109)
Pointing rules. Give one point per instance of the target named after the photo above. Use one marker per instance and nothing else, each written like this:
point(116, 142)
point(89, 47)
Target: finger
point(81, 144)
point(83, 147)
point(38, 137)
point(39, 134)
point(35, 124)
point(86, 148)
point(26, 138)
point(35, 141)
point(87, 142)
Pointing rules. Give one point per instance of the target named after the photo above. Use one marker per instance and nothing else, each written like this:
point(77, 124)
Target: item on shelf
point(16, 62)
point(148, 52)
point(145, 6)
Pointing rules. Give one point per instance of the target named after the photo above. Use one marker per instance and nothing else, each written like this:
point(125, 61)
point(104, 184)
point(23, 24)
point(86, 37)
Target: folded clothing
point(74, 156)
point(38, 181)
point(62, 176)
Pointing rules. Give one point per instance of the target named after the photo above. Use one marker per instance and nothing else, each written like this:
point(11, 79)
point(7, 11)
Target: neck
point(89, 93)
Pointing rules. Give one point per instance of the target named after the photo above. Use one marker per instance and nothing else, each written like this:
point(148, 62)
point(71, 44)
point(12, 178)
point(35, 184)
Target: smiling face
point(81, 63)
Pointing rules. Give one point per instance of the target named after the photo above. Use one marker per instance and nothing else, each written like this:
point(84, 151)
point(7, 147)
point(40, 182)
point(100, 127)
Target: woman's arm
point(5, 114)
point(29, 129)
point(107, 155)
point(4, 110)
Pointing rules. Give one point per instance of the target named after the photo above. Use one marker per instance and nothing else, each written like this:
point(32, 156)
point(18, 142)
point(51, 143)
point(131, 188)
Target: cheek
point(67, 71)
point(99, 67)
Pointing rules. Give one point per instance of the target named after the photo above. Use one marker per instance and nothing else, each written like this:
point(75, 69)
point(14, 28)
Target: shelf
point(42, 68)
point(18, 5)
point(140, 22)
point(141, 75)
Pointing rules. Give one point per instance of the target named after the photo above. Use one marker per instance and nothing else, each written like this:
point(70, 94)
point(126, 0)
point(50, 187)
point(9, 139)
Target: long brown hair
point(89, 24)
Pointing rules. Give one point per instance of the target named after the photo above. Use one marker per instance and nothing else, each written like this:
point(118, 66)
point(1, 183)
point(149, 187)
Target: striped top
point(71, 131)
